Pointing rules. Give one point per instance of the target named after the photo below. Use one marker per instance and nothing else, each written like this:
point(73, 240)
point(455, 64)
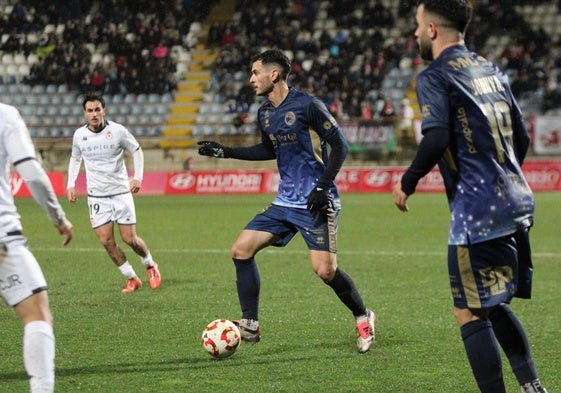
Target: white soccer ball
point(221, 338)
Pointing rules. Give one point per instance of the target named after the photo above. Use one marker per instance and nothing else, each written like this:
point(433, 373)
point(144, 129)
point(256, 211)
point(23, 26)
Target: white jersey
point(103, 155)
point(16, 146)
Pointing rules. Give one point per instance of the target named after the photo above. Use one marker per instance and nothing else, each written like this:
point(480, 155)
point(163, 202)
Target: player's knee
point(108, 243)
point(326, 273)
point(237, 251)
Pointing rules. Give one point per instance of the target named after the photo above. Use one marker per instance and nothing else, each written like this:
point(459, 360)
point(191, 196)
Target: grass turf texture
point(149, 341)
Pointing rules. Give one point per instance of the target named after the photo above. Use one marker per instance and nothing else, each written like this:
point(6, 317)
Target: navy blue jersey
point(297, 128)
point(464, 94)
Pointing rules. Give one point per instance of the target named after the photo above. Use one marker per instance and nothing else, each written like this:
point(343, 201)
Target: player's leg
point(324, 264)
point(105, 234)
point(248, 282)
point(514, 342)
point(322, 242)
point(24, 288)
point(481, 278)
point(509, 331)
point(137, 244)
point(482, 351)
point(125, 216)
point(38, 342)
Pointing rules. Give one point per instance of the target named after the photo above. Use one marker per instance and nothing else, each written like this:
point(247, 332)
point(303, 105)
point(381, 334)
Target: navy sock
point(345, 289)
point(514, 342)
point(248, 284)
point(483, 354)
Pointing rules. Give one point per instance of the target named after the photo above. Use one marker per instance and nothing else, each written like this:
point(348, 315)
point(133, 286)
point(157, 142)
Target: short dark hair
point(88, 97)
point(457, 12)
point(274, 56)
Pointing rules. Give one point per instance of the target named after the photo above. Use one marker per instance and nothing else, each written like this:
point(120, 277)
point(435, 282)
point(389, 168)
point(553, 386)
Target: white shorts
point(118, 208)
point(20, 274)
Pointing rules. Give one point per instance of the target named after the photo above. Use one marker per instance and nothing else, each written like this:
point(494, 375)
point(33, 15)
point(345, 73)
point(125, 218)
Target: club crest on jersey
point(109, 135)
point(290, 118)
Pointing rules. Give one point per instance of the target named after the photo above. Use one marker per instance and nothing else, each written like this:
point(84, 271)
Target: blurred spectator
point(126, 30)
point(388, 109)
point(366, 110)
point(228, 37)
point(406, 116)
point(551, 98)
point(336, 108)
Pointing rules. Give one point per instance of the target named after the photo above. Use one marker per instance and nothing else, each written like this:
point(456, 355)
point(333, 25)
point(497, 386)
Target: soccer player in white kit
point(22, 283)
point(101, 145)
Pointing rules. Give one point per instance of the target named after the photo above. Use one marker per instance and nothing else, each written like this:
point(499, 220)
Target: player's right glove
point(213, 149)
point(318, 200)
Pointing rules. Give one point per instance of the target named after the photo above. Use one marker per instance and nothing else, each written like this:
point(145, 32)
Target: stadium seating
point(206, 99)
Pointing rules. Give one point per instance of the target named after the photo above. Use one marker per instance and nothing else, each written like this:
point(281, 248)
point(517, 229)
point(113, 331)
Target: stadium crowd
point(351, 62)
point(345, 64)
point(137, 37)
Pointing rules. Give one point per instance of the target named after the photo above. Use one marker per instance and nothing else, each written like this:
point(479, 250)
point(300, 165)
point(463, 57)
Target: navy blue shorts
point(486, 274)
point(319, 231)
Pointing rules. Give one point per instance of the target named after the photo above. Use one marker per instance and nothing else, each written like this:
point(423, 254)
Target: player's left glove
point(213, 149)
point(318, 200)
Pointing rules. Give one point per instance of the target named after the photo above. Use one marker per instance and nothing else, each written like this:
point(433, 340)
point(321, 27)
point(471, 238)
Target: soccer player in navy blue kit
point(296, 130)
point(473, 128)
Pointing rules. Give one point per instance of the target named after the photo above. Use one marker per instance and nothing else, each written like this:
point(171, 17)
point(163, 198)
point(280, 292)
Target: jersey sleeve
point(129, 141)
point(321, 120)
point(433, 101)
point(17, 139)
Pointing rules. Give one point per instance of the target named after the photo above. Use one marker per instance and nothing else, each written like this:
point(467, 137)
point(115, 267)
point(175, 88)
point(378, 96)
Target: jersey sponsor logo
point(466, 61)
point(286, 138)
point(462, 117)
point(182, 181)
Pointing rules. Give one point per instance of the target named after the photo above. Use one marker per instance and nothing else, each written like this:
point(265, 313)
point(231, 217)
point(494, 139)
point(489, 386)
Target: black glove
point(319, 200)
point(213, 149)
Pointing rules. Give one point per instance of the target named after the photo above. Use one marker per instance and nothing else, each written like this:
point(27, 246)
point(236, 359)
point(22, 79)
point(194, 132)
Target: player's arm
point(259, 152)
point(520, 134)
point(138, 164)
point(42, 191)
point(73, 170)
point(328, 129)
point(431, 149)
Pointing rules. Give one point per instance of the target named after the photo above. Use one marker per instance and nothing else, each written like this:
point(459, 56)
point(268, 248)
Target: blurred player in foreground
point(296, 129)
point(101, 144)
point(472, 127)
point(22, 283)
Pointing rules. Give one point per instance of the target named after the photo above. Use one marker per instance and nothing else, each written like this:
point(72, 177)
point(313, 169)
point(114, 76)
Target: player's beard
point(425, 49)
point(267, 89)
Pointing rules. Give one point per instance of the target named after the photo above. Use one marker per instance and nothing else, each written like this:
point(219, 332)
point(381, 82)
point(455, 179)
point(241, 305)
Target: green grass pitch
point(149, 341)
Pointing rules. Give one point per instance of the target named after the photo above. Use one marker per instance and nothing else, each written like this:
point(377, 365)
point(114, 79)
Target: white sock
point(39, 356)
point(362, 318)
point(127, 270)
point(147, 261)
point(251, 324)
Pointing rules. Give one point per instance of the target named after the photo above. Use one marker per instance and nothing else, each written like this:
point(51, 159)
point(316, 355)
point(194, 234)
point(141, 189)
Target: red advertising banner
point(542, 175)
point(19, 189)
point(215, 182)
